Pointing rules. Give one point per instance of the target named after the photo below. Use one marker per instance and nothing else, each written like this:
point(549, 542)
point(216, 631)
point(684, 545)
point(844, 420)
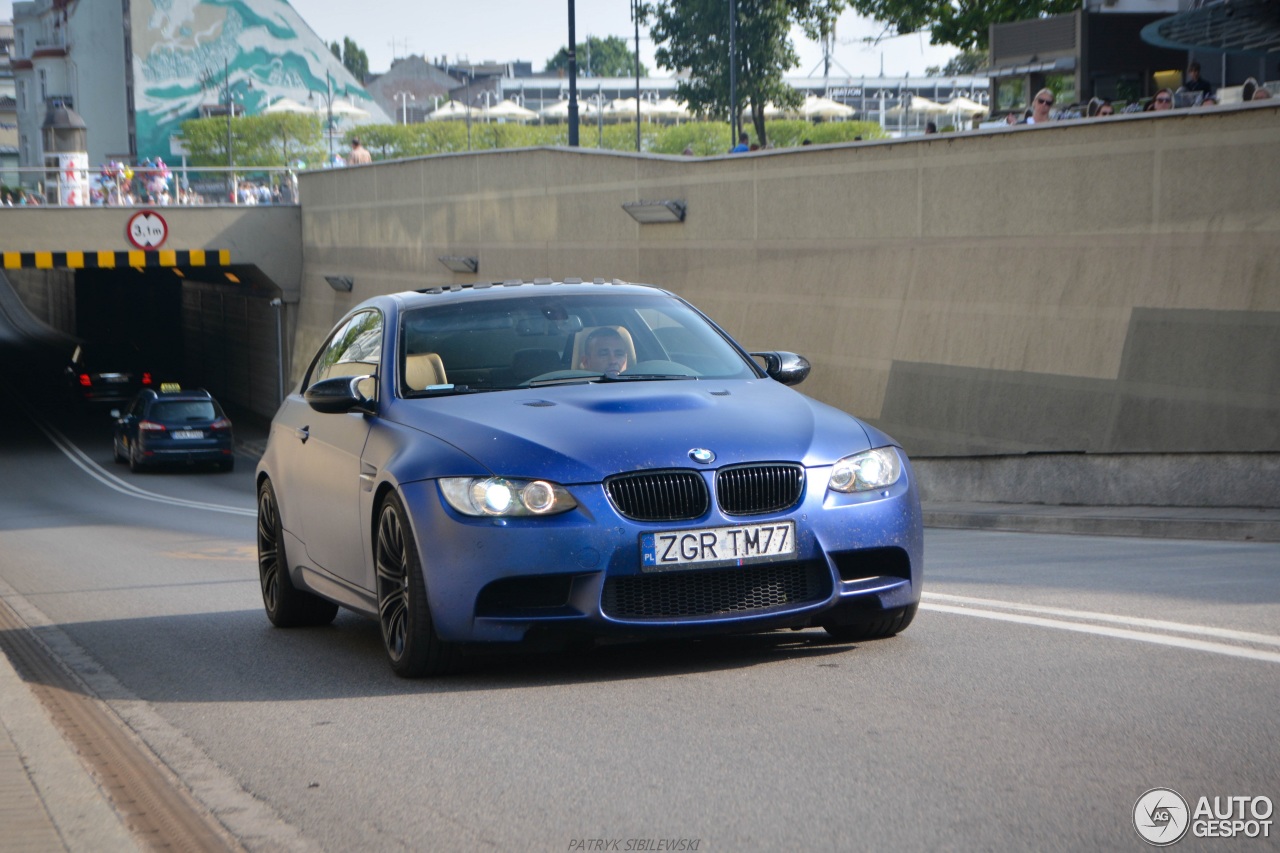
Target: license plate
point(717, 546)
point(188, 433)
point(116, 378)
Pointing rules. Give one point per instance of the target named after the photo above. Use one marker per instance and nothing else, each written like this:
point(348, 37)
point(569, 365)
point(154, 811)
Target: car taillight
point(150, 426)
point(85, 380)
point(220, 424)
point(146, 378)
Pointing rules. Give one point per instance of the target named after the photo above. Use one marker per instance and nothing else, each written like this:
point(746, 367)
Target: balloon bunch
point(153, 180)
point(115, 178)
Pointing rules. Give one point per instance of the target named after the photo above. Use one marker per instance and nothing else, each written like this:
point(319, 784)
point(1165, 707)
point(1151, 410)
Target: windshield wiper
point(583, 378)
point(640, 377)
point(448, 390)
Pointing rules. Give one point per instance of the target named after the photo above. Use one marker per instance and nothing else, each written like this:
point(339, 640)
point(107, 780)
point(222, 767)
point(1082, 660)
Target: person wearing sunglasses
point(1041, 107)
point(1163, 100)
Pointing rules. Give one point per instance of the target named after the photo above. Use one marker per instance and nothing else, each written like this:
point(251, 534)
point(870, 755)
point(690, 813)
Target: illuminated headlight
point(498, 496)
point(864, 472)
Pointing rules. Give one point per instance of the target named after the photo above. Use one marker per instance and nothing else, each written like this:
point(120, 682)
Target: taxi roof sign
point(169, 387)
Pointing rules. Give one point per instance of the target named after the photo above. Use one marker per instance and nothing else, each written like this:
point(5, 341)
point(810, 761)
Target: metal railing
point(113, 185)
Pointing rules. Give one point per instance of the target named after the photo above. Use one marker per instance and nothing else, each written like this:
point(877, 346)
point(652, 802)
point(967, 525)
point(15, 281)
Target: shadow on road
point(238, 657)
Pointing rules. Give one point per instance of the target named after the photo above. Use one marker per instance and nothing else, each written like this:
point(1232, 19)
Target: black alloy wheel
point(286, 605)
point(413, 648)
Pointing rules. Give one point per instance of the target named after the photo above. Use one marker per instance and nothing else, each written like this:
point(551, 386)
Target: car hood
point(584, 433)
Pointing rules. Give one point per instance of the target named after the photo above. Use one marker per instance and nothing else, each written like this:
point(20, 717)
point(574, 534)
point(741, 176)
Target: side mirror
point(338, 395)
point(785, 367)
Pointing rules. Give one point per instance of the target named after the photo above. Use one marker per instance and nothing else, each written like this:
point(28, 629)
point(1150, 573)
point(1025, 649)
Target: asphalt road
point(1048, 682)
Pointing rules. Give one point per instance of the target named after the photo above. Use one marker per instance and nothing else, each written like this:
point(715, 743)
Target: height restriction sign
point(147, 230)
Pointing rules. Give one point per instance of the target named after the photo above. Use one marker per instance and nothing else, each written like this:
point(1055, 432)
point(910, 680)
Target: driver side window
point(354, 350)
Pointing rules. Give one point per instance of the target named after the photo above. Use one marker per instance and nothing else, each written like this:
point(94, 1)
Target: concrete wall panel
point(986, 292)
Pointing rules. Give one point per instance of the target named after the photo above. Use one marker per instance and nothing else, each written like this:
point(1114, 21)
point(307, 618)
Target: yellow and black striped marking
point(117, 260)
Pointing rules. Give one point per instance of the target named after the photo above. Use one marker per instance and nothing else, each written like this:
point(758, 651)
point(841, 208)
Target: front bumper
point(492, 579)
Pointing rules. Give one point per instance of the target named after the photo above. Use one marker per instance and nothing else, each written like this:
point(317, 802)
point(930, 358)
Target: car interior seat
point(580, 345)
point(422, 370)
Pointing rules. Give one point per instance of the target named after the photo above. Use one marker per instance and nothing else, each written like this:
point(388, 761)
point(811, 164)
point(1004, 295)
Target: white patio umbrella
point(671, 108)
point(625, 108)
point(964, 106)
point(920, 106)
point(815, 107)
point(508, 109)
point(772, 110)
point(345, 108)
point(559, 111)
point(451, 110)
point(288, 105)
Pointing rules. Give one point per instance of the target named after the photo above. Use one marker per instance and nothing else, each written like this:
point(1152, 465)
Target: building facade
point(134, 70)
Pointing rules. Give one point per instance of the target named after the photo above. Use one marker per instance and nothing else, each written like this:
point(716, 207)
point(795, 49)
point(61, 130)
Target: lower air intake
point(714, 592)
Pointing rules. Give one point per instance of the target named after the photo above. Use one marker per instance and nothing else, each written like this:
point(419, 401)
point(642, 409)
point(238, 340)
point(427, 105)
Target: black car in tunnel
point(110, 372)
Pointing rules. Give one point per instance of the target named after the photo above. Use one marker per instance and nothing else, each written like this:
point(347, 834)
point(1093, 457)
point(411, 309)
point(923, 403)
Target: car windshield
point(496, 344)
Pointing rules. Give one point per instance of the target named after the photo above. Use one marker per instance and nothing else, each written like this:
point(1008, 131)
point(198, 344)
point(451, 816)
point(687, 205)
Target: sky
point(533, 30)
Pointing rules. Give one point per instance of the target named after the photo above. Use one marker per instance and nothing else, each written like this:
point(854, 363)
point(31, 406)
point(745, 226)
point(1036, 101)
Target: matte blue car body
point(587, 433)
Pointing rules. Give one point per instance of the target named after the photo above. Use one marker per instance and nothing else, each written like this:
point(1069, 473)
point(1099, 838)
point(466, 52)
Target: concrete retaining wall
point(1107, 287)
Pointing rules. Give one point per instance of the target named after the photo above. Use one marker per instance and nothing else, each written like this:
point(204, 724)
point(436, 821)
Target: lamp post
point(405, 98)
point(635, 17)
point(228, 98)
point(466, 115)
point(573, 79)
point(328, 102)
point(734, 121)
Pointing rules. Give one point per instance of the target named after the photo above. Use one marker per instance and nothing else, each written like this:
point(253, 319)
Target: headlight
point(498, 496)
point(864, 472)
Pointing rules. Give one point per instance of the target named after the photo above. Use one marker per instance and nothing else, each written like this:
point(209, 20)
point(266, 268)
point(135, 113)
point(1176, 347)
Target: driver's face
point(607, 354)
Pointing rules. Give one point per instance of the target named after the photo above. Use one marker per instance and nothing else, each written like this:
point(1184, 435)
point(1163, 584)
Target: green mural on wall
point(188, 53)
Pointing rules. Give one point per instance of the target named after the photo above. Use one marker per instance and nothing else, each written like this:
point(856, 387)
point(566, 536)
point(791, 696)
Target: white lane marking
point(94, 470)
point(1131, 621)
point(1117, 633)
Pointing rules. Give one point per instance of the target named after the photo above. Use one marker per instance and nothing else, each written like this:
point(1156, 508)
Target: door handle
point(302, 433)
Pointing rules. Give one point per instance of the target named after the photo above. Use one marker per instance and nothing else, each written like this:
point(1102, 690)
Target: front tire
point(873, 626)
point(413, 647)
point(286, 605)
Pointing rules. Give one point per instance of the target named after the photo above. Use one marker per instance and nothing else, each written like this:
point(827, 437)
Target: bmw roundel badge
point(701, 454)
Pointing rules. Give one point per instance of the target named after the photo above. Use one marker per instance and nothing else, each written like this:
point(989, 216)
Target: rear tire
point(872, 626)
point(135, 461)
point(286, 605)
point(408, 634)
point(116, 455)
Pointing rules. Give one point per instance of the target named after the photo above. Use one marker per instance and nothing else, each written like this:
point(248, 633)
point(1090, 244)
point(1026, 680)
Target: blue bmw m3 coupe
point(486, 463)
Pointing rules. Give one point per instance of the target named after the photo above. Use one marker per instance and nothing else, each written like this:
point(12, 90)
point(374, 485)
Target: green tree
point(693, 35)
point(963, 24)
point(354, 59)
point(608, 57)
point(274, 139)
point(963, 64)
